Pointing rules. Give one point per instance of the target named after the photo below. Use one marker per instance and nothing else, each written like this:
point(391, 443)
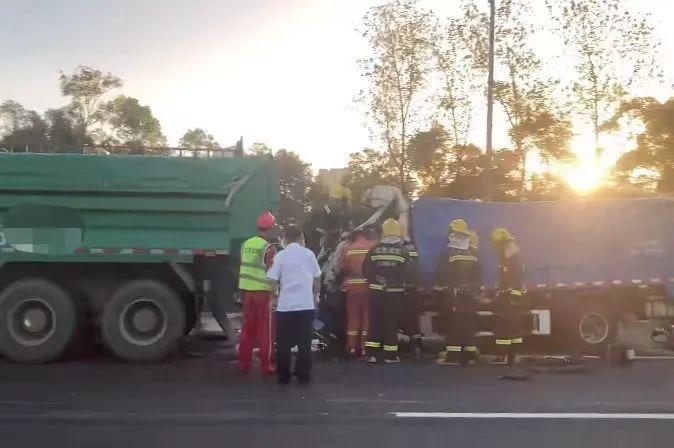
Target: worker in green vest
point(257, 256)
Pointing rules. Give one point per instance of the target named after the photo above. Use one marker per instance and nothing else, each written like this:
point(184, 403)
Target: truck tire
point(143, 321)
point(38, 321)
point(594, 328)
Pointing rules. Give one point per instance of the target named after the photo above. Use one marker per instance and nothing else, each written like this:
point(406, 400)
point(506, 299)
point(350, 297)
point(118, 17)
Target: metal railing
point(166, 151)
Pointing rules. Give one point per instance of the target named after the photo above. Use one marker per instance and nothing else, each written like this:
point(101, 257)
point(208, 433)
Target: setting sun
point(590, 171)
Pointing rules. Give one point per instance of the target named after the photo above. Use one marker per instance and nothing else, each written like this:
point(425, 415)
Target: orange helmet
point(266, 221)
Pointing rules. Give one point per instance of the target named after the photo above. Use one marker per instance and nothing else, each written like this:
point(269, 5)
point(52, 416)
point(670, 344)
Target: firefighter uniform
point(460, 279)
point(510, 306)
point(357, 292)
point(409, 318)
point(386, 270)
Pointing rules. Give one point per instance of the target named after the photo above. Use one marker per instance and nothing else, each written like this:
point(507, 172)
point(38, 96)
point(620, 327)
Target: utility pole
point(489, 152)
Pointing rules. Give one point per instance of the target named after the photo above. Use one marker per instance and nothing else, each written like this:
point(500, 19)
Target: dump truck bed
point(129, 208)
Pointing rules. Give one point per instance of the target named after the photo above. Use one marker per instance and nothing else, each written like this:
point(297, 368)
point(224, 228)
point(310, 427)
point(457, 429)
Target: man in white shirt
point(296, 284)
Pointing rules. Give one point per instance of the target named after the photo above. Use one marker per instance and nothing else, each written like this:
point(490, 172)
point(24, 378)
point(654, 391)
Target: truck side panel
point(148, 209)
point(566, 244)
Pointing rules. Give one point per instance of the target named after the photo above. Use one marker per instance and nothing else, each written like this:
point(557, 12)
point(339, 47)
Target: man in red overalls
point(357, 292)
point(257, 256)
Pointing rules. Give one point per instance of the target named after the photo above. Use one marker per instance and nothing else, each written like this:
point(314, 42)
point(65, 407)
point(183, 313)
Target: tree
point(604, 37)
point(198, 139)
point(86, 88)
point(651, 163)
point(455, 68)
point(258, 149)
point(24, 130)
point(398, 35)
point(295, 179)
point(368, 168)
point(13, 116)
point(446, 169)
point(505, 176)
point(132, 124)
point(62, 135)
point(535, 121)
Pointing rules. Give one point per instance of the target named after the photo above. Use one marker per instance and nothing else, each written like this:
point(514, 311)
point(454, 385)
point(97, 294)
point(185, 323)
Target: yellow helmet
point(391, 227)
point(459, 226)
point(474, 238)
point(501, 235)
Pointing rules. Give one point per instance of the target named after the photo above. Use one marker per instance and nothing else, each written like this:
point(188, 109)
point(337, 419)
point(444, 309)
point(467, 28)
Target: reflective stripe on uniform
point(454, 258)
point(357, 252)
point(356, 281)
point(372, 344)
point(453, 348)
point(388, 258)
point(503, 342)
point(352, 333)
point(413, 253)
point(515, 292)
point(395, 289)
point(470, 348)
point(390, 348)
point(518, 340)
point(376, 287)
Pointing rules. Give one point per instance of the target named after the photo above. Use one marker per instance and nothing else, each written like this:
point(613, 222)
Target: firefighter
point(357, 294)
point(409, 321)
point(257, 256)
point(460, 280)
point(386, 270)
point(510, 303)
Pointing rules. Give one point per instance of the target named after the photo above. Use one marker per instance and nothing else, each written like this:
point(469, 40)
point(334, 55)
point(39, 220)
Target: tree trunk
point(403, 186)
point(523, 168)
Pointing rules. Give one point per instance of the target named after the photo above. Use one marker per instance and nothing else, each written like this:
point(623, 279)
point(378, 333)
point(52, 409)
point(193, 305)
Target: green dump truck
point(132, 246)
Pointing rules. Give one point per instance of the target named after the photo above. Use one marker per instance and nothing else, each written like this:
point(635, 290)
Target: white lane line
point(536, 415)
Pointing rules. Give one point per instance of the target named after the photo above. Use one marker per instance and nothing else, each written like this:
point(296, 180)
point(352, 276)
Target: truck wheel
point(143, 321)
point(595, 327)
point(38, 321)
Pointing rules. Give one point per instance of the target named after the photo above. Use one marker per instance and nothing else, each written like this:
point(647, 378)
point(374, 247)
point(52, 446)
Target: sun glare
point(583, 177)
point(590, 171)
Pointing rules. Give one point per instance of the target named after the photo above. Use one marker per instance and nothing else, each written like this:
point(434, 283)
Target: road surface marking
point(536, 415)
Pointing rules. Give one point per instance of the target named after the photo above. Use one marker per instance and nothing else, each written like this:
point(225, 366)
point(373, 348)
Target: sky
point(282, 72)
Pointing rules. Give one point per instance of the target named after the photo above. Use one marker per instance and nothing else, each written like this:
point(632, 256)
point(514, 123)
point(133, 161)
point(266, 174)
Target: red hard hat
point(266, 221)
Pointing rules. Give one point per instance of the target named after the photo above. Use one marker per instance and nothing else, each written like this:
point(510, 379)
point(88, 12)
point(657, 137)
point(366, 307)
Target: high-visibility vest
point(253, 271)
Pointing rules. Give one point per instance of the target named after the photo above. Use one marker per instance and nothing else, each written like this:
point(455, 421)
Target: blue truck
point(591, 266)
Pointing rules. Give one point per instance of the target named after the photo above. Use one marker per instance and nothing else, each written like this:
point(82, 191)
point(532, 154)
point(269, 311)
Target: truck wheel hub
point(31, 322)
point(143, 322)
point(594, 328)
point(34, 320)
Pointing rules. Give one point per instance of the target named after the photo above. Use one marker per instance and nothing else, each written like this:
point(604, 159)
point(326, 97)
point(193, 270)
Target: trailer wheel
point(594, 328)
point(143, 321)
point(38, 321)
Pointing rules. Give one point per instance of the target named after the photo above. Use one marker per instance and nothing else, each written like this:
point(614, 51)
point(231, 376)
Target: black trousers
point(384, 320)
point(409, 313)
point(294, 328)
point(511, 323)
point(461, 324)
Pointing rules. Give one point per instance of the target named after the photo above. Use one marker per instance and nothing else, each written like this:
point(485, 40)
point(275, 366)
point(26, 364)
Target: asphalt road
point(206, 402)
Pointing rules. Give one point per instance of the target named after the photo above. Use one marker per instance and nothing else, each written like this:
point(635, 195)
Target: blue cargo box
point(563, 244)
